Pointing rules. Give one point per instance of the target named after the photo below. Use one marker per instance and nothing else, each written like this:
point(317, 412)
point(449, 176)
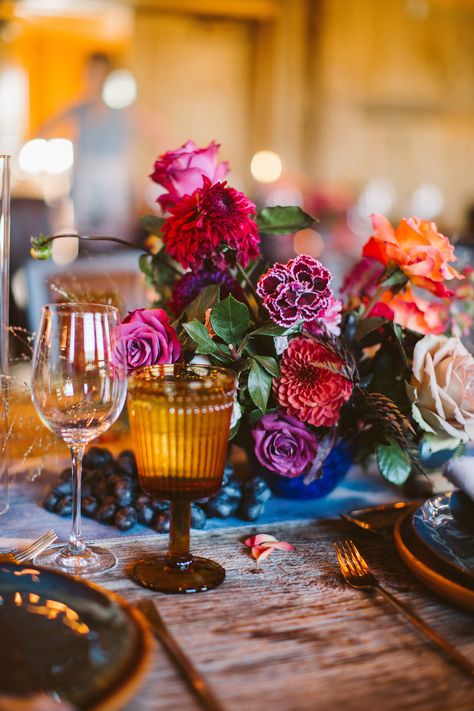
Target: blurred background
point(343, 106)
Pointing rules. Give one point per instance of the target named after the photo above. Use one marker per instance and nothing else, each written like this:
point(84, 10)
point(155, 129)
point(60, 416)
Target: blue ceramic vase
point(335, 468)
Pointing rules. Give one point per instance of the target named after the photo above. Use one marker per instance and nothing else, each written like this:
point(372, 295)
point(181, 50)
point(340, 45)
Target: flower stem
point(376, 297)
point(99, 238)
point(244, 276)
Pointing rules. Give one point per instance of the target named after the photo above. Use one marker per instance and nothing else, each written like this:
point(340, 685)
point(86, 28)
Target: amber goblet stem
point(178, 556)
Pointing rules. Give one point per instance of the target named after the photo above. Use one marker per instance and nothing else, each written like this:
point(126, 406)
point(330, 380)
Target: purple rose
point(284, 445)
point(181, 171)
point(146, 337)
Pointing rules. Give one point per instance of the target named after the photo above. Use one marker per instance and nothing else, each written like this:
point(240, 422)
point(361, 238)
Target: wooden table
point(288, 634)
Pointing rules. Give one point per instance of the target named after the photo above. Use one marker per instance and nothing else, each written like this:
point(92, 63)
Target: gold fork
point(357, 574)
point(21, 555)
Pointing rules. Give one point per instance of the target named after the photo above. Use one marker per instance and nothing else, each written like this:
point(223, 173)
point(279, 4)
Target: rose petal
point(258, 539)
point(260, 552)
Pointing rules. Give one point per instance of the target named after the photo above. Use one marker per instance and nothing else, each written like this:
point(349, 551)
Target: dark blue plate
point(445, 524)
point(67, 638)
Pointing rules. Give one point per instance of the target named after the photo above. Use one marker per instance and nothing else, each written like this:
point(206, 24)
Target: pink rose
point(147, 338)
point(181, 171)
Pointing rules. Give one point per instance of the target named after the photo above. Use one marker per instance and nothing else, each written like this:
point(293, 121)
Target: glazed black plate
point(67, 638)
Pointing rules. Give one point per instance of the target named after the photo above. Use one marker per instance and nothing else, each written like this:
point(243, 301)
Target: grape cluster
point(111, 494)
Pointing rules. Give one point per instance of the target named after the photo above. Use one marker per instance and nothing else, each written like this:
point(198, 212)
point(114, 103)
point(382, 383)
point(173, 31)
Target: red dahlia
point(311, 387)
point(214, 216)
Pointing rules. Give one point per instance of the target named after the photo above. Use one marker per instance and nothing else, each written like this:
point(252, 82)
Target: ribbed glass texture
point(180, 419)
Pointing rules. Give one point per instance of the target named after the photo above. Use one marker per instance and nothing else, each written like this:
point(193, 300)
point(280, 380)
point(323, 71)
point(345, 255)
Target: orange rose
point(417, 248)
point(415, 313)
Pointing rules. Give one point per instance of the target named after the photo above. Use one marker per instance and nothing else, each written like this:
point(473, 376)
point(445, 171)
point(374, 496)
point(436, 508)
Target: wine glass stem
point(178, 556)
point(76, 543)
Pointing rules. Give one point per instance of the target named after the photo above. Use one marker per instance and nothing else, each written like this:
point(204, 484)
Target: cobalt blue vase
point(335, 467)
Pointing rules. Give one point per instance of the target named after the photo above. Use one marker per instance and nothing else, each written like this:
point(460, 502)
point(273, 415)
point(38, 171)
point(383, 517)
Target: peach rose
point(417, 248)
point(442, 387)
point(419, 315)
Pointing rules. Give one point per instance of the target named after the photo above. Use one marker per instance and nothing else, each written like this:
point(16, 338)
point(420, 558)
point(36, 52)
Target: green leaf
point(230, 319)
point(208, 297)
point(271, 329)
point(152, 223)
point(366, 326)
point(145, 264)
point(283, 220)
point(269, 363)
point(393, 462)
point(398, 333)
point(259, 385)
point(394, 278)
point(199, 333)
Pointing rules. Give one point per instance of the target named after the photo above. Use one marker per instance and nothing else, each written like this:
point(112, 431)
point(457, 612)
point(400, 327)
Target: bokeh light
point(427, 201)
point(266, 166)
point(120, 89)
point(59, 156)
point(54, 156)
point(308, 241)
point(32, 156)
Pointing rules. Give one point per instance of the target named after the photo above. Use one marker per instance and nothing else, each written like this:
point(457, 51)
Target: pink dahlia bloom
point(146, 337)
point(328, 320)
point(181, 171)
point(311, 386)
point(213, 217)
point(296, 291)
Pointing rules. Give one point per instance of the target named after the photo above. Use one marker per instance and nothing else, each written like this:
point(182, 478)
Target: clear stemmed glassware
point(180, 418)
point(78, 389)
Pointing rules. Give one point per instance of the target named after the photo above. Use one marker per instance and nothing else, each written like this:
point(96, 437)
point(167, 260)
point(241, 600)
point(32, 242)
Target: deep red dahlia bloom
point(212, 217)
point(311, 386)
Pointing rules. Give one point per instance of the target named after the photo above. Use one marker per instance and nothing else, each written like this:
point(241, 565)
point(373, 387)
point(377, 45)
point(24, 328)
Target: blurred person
point(101, 182)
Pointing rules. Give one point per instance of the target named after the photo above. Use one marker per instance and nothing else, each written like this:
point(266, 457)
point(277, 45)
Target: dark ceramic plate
point(445, 525)
point(456, 587)
point(68, 639)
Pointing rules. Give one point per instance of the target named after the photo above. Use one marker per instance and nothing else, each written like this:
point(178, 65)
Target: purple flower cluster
point(283, 444)
point(295, 291)
point(191, 284)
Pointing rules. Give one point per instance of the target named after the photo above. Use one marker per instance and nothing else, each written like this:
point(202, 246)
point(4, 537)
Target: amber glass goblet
point(180, 419)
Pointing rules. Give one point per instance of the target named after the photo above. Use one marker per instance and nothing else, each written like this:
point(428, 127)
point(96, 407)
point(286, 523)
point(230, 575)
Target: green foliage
point(283, 220)
point(41, 247)
point(208, 297)
point(393, 462)
point(199, 333)
point(269, 363)
point(268, 328)
point(259, 385)
point(230, 319)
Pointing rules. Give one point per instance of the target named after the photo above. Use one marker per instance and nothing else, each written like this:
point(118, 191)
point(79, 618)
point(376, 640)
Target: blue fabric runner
point(26, 518)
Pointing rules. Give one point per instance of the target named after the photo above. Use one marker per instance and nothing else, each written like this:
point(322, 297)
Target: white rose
point(442, 387)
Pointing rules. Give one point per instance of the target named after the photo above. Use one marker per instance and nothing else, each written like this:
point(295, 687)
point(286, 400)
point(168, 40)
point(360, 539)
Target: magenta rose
point(181, 172)
point(284, 445)
point(146, 337)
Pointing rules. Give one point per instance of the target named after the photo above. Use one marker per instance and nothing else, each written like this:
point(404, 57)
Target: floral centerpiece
point(377, 373)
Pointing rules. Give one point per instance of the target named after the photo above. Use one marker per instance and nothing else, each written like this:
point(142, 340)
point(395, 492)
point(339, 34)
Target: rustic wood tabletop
point(288, 634)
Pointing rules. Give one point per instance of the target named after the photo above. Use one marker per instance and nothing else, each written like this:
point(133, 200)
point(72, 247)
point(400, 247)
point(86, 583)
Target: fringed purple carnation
point(296, 291)
point(192, 283)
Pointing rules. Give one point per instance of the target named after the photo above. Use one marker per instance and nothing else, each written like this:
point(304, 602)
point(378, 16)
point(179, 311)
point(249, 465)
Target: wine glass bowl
point(180, 419)
point(78, 389)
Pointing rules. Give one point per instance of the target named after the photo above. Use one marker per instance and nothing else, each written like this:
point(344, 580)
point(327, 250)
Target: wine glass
point(79, 386)
point(180, 419)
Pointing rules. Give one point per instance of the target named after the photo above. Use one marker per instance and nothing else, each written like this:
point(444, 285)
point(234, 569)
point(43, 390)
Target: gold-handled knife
point(195, 680)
